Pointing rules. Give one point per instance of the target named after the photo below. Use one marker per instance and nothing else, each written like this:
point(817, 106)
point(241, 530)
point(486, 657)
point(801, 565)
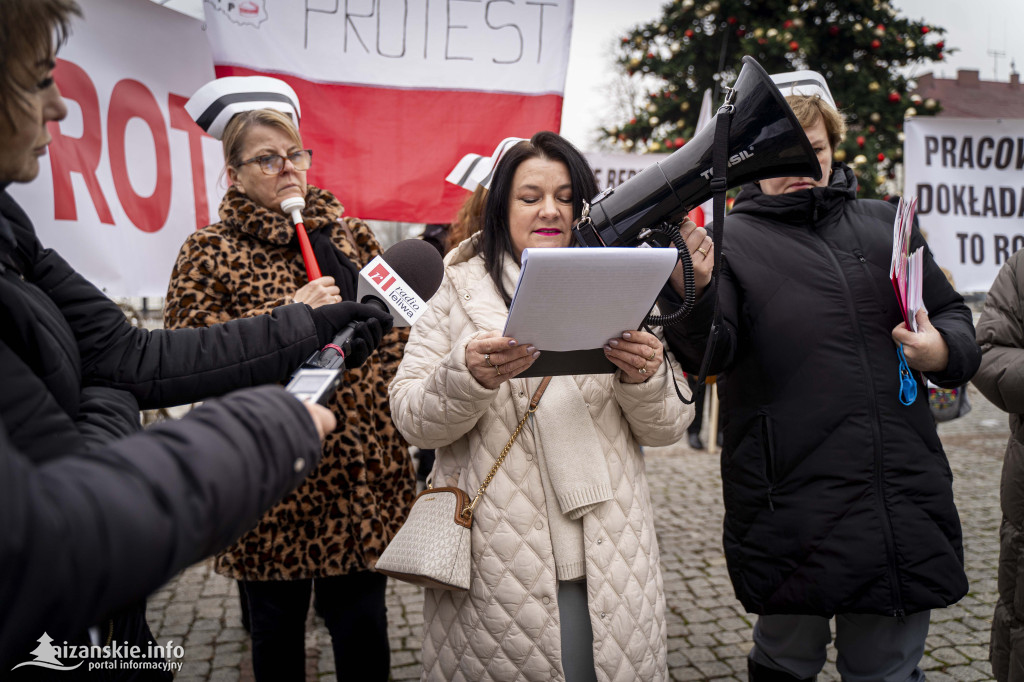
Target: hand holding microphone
point(361, 326)
point(393, 290)
point(318, 292)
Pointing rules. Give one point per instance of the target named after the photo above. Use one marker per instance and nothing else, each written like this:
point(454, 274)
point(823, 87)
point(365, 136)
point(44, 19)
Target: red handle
point(312, 269)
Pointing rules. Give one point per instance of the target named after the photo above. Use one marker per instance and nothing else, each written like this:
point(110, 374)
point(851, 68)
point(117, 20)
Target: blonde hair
point(809, 109)
point(238, 127)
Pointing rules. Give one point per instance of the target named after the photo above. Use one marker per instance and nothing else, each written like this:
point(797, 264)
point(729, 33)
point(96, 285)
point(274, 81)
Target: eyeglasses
point(273, 164)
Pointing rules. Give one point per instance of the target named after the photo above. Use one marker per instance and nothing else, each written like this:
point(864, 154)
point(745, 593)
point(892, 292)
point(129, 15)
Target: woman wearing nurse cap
point(328, 534)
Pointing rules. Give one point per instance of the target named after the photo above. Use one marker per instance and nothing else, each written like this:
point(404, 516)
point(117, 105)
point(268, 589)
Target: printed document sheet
point(578, 298)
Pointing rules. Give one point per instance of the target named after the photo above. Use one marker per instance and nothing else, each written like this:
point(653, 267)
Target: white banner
point(967, 176)
point(611, 170)
point(129, 174)
point(495, 46)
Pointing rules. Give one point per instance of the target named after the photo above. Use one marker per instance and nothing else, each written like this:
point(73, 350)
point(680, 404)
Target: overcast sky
point(989, 25)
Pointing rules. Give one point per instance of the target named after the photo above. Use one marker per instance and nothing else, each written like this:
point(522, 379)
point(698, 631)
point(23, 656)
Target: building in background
point(967, 96)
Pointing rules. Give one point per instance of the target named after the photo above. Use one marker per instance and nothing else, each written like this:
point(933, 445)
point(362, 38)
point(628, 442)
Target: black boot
point(762, 673)
point(695, 442)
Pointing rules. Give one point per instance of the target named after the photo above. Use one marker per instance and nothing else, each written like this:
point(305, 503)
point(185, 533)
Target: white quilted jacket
point(507, 626)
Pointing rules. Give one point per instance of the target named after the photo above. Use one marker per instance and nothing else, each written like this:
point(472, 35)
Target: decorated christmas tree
point(861, 47)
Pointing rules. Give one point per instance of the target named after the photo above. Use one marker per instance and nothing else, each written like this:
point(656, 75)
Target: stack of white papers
point(906, 269)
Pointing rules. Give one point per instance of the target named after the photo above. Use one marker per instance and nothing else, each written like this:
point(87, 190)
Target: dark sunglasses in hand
point(273, 164)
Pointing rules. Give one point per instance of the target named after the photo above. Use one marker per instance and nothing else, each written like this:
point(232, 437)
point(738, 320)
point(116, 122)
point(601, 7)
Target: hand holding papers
point(906, 268)
point(569, 302)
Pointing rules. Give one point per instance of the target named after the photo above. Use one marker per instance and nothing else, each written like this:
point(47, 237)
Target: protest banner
point(128, 175)
point(966, 174)
point(394, 93)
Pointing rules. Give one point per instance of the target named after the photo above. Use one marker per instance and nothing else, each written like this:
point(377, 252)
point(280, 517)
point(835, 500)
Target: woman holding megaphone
point(838, 496)
point(275, 237)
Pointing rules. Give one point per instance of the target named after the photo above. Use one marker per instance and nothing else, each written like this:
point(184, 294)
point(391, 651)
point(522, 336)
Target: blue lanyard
point(908, 387)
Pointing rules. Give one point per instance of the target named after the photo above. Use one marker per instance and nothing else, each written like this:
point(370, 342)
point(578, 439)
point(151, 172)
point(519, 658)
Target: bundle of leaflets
point(906, 268)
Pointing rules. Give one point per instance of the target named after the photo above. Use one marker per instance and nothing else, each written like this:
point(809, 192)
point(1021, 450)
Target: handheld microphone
point(399, 282)
point(294, 206)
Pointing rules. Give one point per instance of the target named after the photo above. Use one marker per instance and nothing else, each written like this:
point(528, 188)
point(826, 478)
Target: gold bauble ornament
point(759, 32)
point(685, 106)
point(858, 27)
point(875, 117)
point(629, 144)
point(873, 86)
point(916, 99)
point(687, 4)
point(655, 120)
point(930, 103)
point(911, 112)
point(798, 22)
point(840, 155)
point(675, 46)
point(850, 68)
point(634, 62)
point(651, 108)
point(880, 179)
point(859, 159)
point(910, 44)
point(900, 136)
point(663, 29)
point(655, 147)
point(771, 33)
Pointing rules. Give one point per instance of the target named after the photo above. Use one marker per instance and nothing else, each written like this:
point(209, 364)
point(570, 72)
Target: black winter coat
point(838, 498)
point(90, 528)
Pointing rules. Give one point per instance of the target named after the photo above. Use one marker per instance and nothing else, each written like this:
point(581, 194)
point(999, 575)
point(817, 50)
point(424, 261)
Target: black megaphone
point(765, 141)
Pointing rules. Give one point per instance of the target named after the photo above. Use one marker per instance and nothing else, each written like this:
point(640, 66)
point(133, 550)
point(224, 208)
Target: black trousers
point(354, 612)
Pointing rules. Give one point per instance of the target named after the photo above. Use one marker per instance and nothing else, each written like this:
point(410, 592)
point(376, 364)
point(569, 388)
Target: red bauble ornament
point(632, 121)
point(860, 140)
point(741, 32)
point(925, 29)
point(650, 55)
point(872, 129)
point(881, 156)
point(732, 21)
point(833, 30)
point(788, 23)
point(875, 44)
point(794, 46)
point(761, 41)
point(880, 27)
point(688, 33)
point(668, 144)
point(680, 141)
point(625, 40)
point(894, 97)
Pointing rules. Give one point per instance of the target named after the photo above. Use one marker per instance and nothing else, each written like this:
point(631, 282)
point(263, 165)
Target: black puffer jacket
point(90, 526)
point(838, 498)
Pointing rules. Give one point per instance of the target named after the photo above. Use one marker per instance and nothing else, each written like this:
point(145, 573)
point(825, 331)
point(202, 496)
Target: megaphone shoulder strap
point(719, 185)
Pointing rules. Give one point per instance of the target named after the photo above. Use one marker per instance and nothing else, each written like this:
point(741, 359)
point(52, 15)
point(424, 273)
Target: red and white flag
point(393, 94)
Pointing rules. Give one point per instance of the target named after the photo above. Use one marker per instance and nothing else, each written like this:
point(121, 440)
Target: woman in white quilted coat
point(565, 581)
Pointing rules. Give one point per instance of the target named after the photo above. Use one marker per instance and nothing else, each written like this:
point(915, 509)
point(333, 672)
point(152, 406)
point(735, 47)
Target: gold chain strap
point(467, 513)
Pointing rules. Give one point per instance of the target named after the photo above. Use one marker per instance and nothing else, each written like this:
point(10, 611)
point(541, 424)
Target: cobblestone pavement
point(709, 633)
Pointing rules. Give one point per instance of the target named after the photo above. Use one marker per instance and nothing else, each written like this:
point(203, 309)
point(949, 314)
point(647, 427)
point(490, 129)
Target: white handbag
point(432, 548)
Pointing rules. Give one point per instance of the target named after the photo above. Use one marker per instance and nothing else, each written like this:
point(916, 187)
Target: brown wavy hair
point(30, 32)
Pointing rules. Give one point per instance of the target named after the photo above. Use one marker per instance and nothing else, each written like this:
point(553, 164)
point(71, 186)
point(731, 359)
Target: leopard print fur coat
point(342, 517)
